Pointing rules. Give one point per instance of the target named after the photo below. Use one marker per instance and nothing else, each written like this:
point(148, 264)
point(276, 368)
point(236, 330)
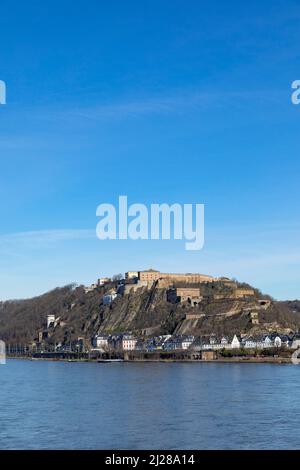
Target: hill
point(225, 307)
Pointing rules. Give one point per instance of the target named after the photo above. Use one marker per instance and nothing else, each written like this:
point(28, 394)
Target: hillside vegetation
point(144, 312)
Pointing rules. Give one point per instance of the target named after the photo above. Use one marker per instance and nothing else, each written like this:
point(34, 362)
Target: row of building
point(128, 342)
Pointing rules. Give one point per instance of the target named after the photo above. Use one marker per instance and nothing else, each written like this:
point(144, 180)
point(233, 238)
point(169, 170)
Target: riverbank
point(232, 360)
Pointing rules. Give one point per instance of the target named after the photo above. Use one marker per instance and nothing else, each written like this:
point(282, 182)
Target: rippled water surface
point(143, 406)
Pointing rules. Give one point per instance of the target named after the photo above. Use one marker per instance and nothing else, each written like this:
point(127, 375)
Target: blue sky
point(176, 101)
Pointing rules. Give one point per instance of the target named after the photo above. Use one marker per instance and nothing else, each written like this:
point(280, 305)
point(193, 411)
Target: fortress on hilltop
point(151, 275)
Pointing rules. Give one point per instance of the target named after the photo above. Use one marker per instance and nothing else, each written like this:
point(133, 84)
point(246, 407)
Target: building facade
point(51, 321)
point(131, 275)
point(152, 275)
point(129, 343)
point(101, 341)
point(109, 298)
point(103, 280)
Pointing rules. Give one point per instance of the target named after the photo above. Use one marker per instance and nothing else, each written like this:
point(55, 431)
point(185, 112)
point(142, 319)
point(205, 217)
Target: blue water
point(57, 405)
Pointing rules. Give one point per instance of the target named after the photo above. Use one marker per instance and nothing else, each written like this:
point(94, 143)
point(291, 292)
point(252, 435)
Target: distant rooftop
point(174, 274)
point(150, 270)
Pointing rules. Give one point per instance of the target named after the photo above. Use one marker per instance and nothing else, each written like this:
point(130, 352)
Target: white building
point(103, 280)
point(128, 343)
point(277, 342)
point(212, 343)
point(187, 342)
point(250, 343)
point(108, 298)
point(131, 275)
point(51, 321)
point(235, 343)
point(224, 341)
point(267, 342)
point(100, 341)
point(296, 342)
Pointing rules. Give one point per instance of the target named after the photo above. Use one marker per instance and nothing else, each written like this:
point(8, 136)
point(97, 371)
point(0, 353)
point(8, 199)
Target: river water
point(61, 405)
